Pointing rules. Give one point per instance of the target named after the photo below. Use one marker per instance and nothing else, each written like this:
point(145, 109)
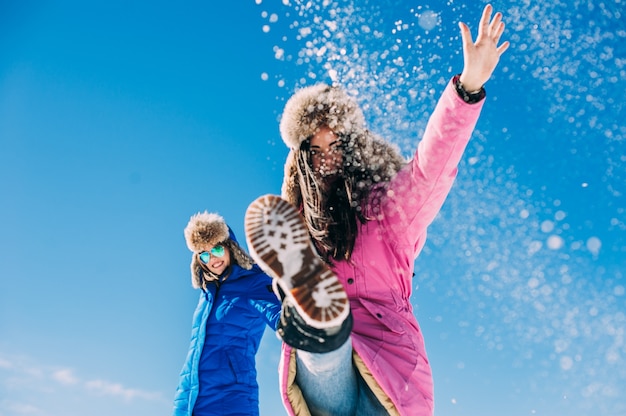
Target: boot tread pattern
point(280, 244)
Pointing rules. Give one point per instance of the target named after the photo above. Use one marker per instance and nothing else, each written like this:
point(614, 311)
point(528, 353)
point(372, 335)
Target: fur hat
point(204, 231)
point(315, 106)
point(321, 105)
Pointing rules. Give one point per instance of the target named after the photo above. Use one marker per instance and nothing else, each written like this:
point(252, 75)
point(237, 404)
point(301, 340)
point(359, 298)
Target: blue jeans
point(331, 385)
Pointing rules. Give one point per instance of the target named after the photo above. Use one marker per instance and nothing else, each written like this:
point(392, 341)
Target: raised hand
point(481, 57)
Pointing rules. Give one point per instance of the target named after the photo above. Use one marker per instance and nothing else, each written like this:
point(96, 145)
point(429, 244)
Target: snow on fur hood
point(322, 105)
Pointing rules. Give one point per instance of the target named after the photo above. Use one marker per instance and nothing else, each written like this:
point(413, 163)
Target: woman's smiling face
point(216, 264)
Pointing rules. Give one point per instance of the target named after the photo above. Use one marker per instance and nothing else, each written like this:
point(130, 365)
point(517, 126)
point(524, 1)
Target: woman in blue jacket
point(236, 302)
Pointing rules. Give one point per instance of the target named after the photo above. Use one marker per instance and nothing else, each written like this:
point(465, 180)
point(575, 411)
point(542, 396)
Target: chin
point(330, 177)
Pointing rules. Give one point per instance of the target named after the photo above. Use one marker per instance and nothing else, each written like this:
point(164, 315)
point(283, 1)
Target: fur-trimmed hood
point(322, 105)
point(319, 105)
point(204, 231)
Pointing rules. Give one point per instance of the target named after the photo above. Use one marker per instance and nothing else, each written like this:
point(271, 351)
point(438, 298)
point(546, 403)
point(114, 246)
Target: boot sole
point(280, 244)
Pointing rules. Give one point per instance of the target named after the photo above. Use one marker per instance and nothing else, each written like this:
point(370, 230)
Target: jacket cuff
point(471, 97)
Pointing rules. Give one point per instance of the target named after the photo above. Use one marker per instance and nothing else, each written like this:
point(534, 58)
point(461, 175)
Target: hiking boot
point(293, 331)
point(279, 242)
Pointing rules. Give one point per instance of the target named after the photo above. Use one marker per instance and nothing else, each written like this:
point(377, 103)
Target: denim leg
point(328, 381)
point(368, 404)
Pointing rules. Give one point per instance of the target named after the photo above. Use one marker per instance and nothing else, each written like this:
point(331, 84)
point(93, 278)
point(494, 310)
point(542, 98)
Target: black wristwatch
point(470, 97)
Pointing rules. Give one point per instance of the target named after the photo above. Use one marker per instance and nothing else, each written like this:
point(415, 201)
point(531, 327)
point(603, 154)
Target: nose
point(326, 160)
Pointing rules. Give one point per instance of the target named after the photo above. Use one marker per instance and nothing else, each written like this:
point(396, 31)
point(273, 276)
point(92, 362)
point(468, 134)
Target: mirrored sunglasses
point(217, 251)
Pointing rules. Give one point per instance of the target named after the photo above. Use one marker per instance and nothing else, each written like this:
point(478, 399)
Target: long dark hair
point(333, 214)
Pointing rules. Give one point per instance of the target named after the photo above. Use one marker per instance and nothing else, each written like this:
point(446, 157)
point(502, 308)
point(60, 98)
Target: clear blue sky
point(119, 120)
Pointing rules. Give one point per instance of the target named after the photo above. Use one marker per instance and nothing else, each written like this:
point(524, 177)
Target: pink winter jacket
point(388, 348)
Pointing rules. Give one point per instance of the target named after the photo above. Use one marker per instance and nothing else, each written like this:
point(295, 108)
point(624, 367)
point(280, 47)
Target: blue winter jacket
point(219, 374)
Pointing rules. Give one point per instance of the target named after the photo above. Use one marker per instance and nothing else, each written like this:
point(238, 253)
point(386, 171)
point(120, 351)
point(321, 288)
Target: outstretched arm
point(481, 57)
point(421, 188)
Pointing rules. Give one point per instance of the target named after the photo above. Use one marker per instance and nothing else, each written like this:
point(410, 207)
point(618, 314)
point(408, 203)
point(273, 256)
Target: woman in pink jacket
point(352, 345)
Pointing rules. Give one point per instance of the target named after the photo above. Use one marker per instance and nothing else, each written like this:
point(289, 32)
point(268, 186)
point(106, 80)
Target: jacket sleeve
point(266, 302)
point(187, 389)
point(415, 195)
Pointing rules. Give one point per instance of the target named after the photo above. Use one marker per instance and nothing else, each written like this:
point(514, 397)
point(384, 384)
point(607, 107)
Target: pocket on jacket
point(386, 317)
point(240, 367)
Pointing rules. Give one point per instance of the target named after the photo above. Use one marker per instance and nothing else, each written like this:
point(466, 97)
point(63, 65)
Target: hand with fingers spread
point(481, 57)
